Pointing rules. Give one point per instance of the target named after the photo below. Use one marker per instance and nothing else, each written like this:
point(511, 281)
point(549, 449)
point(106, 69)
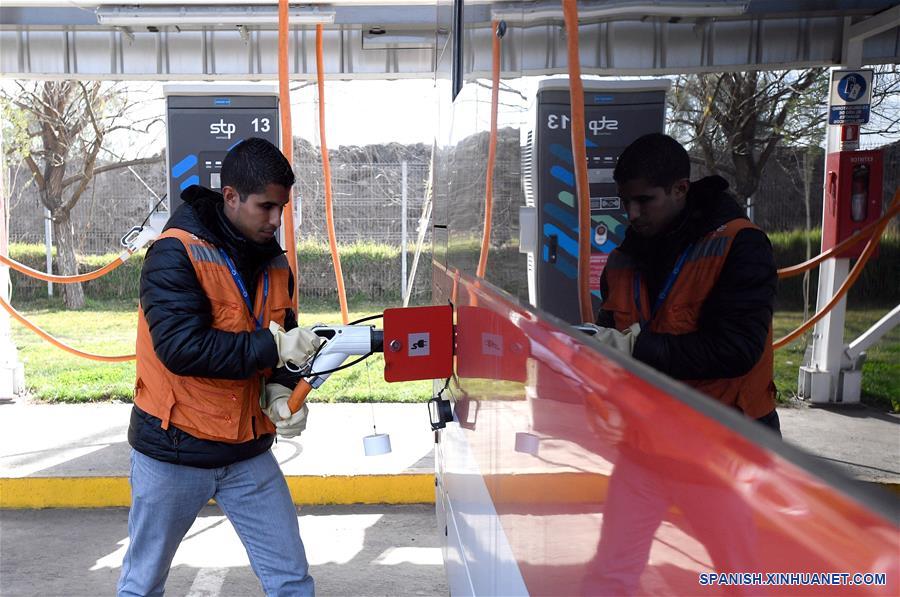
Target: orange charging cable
point(19, 267)
point(87, 355)
point(851, 279)
point(835, 251)
point(287, 140)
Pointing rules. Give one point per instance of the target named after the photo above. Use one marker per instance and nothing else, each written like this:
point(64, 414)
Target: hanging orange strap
point(326, 173)
point(579, 154)
point(492, 153)
point(287, 138)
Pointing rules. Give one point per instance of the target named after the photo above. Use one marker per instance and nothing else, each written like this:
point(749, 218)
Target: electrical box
point(489, 346)
point(853, 188)
point(204, 121)
point(418, 343)
point(616, 113)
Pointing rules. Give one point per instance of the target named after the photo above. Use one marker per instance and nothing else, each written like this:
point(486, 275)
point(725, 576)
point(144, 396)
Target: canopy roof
point(190, 39)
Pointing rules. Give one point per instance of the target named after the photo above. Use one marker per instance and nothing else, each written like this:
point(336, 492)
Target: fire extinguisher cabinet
point(853, 187)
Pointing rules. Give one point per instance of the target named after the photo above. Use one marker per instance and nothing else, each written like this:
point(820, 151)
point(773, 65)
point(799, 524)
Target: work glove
point(295, 346)
point(621, 341)
point(277, 409)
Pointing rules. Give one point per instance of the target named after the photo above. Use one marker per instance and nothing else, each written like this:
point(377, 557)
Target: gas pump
point(616, 113)
point(204, 122)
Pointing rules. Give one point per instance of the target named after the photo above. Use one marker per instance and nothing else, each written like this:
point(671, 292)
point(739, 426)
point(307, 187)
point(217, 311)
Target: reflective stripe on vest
point(215, 409)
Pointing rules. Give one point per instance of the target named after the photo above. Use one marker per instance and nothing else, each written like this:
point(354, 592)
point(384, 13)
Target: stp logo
point(604, 124)
point(222, 129)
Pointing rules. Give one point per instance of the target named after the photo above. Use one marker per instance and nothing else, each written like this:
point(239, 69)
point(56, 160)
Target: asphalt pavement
point(352, 550)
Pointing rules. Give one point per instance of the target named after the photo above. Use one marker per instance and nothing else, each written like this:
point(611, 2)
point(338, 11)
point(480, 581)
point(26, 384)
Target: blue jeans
point(166, 499)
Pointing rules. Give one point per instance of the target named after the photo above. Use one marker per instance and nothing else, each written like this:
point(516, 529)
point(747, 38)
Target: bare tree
point(884, 117)
point(58, 128)
point(801, 177)
point(737, 119)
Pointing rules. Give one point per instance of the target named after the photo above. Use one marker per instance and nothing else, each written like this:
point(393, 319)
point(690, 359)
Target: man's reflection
point(651, 482)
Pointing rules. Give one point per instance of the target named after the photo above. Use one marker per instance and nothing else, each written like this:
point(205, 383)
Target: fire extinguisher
point(859, 193)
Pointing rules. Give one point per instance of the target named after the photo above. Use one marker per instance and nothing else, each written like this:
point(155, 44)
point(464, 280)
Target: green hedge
point(372, 271)
point(119, 284)
point(879, 284)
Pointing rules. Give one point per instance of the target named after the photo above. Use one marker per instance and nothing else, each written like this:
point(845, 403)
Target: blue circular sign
point(852, 87)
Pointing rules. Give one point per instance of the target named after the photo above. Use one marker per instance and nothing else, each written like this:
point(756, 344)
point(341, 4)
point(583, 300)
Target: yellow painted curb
point(106, 492)
point(363, 489)
point(64, 492)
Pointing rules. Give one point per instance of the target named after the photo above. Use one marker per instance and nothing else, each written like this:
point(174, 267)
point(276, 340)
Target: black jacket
point(179, 317)
point(736, 315)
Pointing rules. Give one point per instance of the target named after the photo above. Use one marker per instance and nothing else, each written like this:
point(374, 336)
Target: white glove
point(621, 341)
point(295, 346)
point(277, 409)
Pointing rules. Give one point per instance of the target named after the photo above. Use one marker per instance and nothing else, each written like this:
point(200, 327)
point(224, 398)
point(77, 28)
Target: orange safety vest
point(754, 392)
point(225, 410)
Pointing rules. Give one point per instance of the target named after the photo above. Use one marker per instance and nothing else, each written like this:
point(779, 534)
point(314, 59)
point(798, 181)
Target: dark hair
point(659, 159)
point(252, 165)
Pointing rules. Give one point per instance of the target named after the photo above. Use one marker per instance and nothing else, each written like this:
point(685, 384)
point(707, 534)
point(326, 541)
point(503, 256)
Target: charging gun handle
point(298, 396)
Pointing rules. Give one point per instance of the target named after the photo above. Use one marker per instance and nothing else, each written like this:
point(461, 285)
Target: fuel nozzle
point(341, 342)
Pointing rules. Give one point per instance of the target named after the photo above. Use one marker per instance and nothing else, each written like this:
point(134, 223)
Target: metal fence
point(113, 203)
point(368, 204)
point(368, 201)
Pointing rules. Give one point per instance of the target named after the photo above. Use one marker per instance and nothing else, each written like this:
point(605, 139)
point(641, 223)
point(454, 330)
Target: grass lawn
point(109, 328)
point(55, 375)
point(881, 370)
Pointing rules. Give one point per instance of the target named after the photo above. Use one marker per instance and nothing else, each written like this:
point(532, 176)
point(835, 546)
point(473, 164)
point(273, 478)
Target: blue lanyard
point(666, 289)
point(240, 284)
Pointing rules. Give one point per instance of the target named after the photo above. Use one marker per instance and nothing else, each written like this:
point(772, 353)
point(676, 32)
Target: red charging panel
point(418, 343)
point(489, 346)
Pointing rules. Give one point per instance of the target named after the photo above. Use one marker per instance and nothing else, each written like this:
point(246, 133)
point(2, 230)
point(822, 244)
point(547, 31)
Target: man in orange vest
point(215, 329)
point(692, 286)
point(690, 292)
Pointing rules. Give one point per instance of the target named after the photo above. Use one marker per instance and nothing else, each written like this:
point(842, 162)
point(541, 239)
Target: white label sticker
point(600, 175)
point(419, 345)
point(491, 344)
